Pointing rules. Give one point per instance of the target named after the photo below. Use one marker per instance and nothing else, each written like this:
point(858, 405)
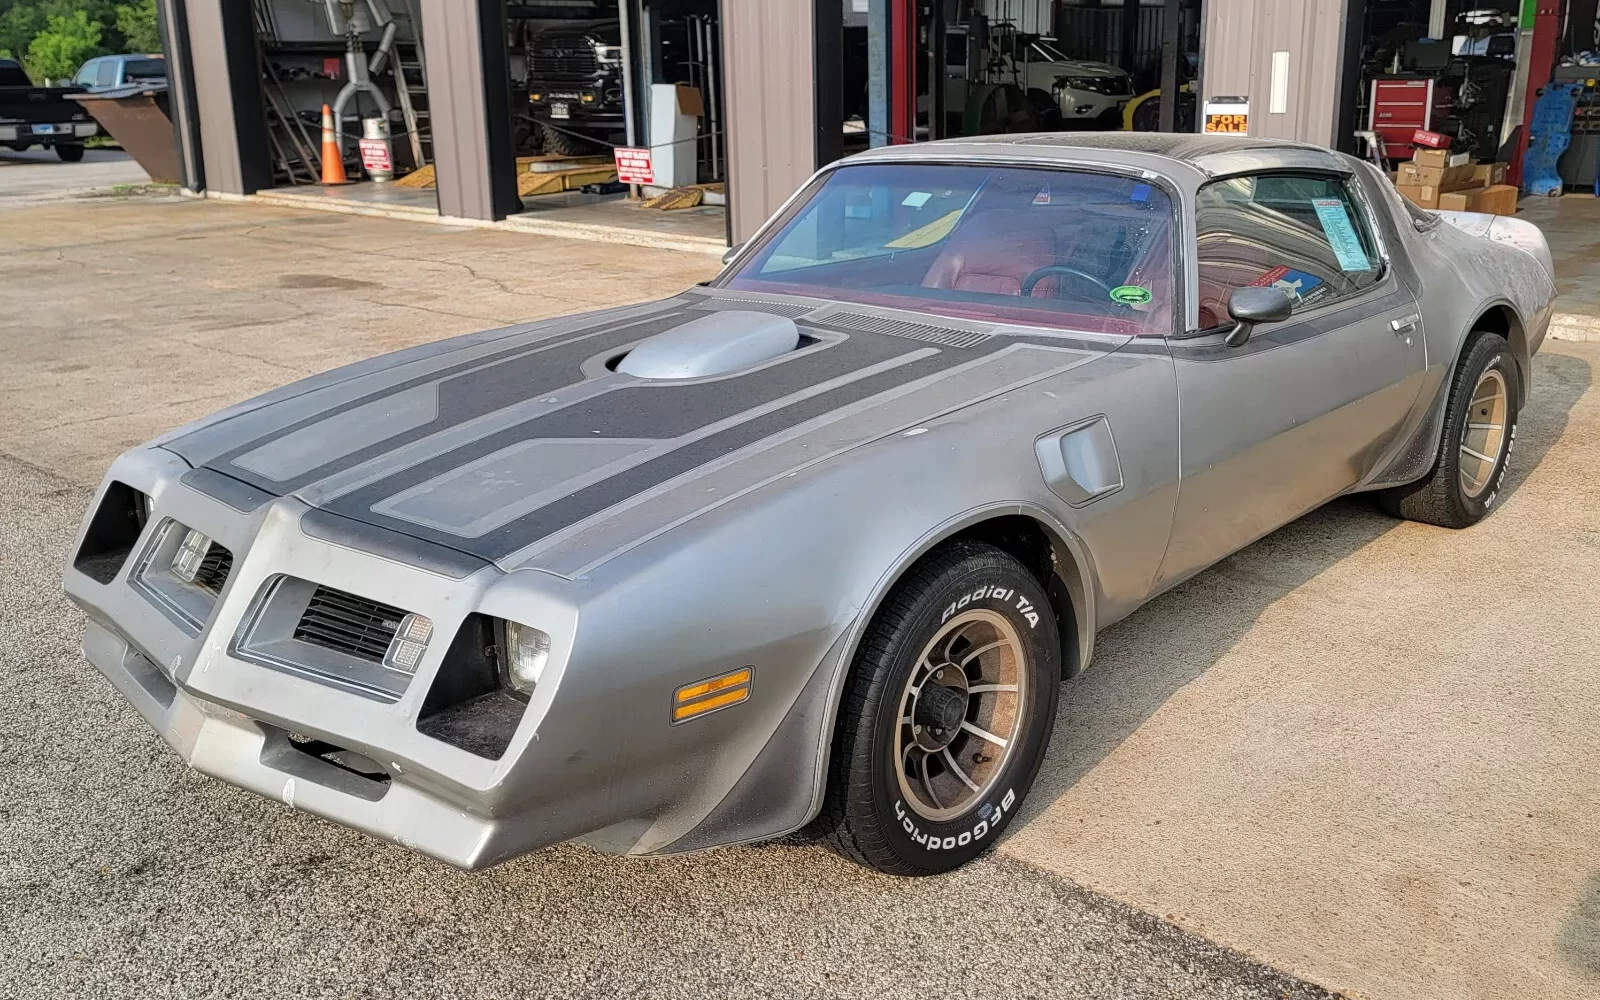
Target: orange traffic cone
point(332, 159)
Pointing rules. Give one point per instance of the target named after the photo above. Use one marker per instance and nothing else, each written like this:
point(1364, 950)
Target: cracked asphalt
point(122, 873)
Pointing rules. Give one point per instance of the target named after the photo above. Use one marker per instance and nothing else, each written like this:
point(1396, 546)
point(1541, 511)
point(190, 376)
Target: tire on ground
point(559, 143)
point(871, 814)
point(1443, 497)
point(70, 152)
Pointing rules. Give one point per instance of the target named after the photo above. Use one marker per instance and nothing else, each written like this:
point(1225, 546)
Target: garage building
point(499, 108)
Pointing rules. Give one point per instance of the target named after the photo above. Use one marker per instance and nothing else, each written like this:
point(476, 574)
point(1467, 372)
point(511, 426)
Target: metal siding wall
point(463, 163)
point(1242, 35)
point(214, 97)
point(770, 105)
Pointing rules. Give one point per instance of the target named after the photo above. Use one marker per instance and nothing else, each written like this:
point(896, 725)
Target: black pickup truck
point(41, 116)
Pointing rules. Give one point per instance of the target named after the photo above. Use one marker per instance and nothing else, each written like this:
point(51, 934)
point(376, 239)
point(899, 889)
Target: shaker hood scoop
point(712, 345)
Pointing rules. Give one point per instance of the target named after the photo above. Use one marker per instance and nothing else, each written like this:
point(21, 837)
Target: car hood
point(1085, 69)
point(492, 443)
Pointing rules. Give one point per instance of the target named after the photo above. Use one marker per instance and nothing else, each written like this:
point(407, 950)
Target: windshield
point(1065, 249)
point(1043, 51)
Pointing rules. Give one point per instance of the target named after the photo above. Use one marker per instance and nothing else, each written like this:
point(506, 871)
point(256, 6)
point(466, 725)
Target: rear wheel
point(946, 714)
point(1480, 430)
point(70, 152)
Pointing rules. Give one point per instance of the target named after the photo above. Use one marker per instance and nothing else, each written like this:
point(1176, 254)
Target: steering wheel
point(1048, 270)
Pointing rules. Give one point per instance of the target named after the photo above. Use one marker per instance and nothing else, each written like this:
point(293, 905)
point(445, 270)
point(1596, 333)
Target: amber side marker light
point(703, 697)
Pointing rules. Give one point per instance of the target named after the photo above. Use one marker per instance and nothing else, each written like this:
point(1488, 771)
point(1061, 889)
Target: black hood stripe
point(471, 389)
point(655, 412)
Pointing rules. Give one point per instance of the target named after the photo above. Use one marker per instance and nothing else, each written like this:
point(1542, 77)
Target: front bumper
point(1088, 104)
point(262, 759)
point(232, 718)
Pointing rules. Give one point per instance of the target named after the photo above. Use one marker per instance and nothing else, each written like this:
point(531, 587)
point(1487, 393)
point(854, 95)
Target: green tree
point(137, 22)
point(57, 51)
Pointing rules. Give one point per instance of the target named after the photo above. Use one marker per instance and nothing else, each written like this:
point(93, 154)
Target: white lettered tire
point(946, 714)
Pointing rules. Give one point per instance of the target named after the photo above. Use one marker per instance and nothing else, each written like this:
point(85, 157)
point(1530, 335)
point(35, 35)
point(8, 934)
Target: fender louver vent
point(350, 624)
point(949, 336)
point(788, 309)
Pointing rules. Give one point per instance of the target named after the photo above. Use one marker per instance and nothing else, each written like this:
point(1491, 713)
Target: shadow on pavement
point(1143, 660)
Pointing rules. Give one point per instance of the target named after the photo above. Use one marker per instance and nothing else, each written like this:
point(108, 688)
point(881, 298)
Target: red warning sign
point(634, 166)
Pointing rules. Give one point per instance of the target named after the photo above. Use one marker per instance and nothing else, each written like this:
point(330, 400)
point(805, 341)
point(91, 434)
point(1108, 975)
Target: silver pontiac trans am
point(813, 545)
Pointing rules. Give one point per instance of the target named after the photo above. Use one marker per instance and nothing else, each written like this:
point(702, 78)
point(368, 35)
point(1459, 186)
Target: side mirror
point(1250, 307)
point(732, 252)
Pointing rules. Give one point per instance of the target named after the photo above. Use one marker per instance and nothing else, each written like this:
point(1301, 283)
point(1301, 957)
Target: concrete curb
point(516, 224)
point(1570, 326)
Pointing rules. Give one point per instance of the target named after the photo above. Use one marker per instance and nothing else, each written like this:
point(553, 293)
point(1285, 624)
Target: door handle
point(1405, 324)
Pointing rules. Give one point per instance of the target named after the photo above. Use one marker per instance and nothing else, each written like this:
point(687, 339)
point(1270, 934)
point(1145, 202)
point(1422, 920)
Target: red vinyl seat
point(994, 253)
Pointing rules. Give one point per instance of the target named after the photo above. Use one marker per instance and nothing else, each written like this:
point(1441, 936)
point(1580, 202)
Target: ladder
point(408, 59)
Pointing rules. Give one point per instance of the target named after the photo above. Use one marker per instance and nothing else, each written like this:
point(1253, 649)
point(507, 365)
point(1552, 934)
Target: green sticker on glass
point(1131, 295)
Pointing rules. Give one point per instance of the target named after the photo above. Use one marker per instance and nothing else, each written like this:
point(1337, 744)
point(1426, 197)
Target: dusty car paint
point(666, 533)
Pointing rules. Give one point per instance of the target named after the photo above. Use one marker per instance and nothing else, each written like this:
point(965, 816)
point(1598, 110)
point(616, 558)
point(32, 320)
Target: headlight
point(190, 555)
point(409, 643)
point(1093, 84)
point(527, 651)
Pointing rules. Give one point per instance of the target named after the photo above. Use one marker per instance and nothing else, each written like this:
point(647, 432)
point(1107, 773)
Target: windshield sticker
point(1043, 197)
point(1342, 234)
point(1295, 284)
point(1131, 295)
point(1140, 193)
point(917, 199)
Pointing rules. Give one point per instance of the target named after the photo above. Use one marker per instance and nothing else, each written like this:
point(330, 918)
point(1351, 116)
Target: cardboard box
point(1439, 158)
point(1433, 140)
point(1500, 199)
point(1423, 197)
point(1459, 201)
point(1489, 174)
point(1443, 178)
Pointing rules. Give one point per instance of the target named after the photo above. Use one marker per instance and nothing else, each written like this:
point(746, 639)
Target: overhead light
point(409, 643)
point(527, 652)
point(190, 555)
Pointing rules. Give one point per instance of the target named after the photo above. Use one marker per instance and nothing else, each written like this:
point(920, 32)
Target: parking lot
point(1359, 756)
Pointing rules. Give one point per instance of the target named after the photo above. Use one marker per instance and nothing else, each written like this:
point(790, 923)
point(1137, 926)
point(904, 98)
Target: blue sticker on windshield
point(1140, 193)
point(1341, 234)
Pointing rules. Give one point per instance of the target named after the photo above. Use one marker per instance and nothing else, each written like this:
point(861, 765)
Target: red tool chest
point(1403, 104)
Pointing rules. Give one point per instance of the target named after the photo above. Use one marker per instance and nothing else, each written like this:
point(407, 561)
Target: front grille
point(558, 60)
point(349, 624)
point(214, 569)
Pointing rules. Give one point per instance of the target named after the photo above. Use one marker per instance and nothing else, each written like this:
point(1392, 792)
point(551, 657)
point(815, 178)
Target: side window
point(106, 75)
point(1303, 233)
point(85, 77)
point(955, 48)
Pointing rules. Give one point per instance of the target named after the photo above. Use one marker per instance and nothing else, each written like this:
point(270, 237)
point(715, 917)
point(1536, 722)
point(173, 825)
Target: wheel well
point(1502, 320)
point(1051, 562)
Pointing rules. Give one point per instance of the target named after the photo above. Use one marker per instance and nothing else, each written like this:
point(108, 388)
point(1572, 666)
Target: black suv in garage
point(575, 85)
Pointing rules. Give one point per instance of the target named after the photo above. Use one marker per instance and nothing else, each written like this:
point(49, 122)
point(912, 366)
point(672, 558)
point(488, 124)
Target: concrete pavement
point(124, 873)
point(38, 176)
point(1360, 750)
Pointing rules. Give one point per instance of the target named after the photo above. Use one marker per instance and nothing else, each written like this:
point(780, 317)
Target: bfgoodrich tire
point(1480, 431)
point(946, 714)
